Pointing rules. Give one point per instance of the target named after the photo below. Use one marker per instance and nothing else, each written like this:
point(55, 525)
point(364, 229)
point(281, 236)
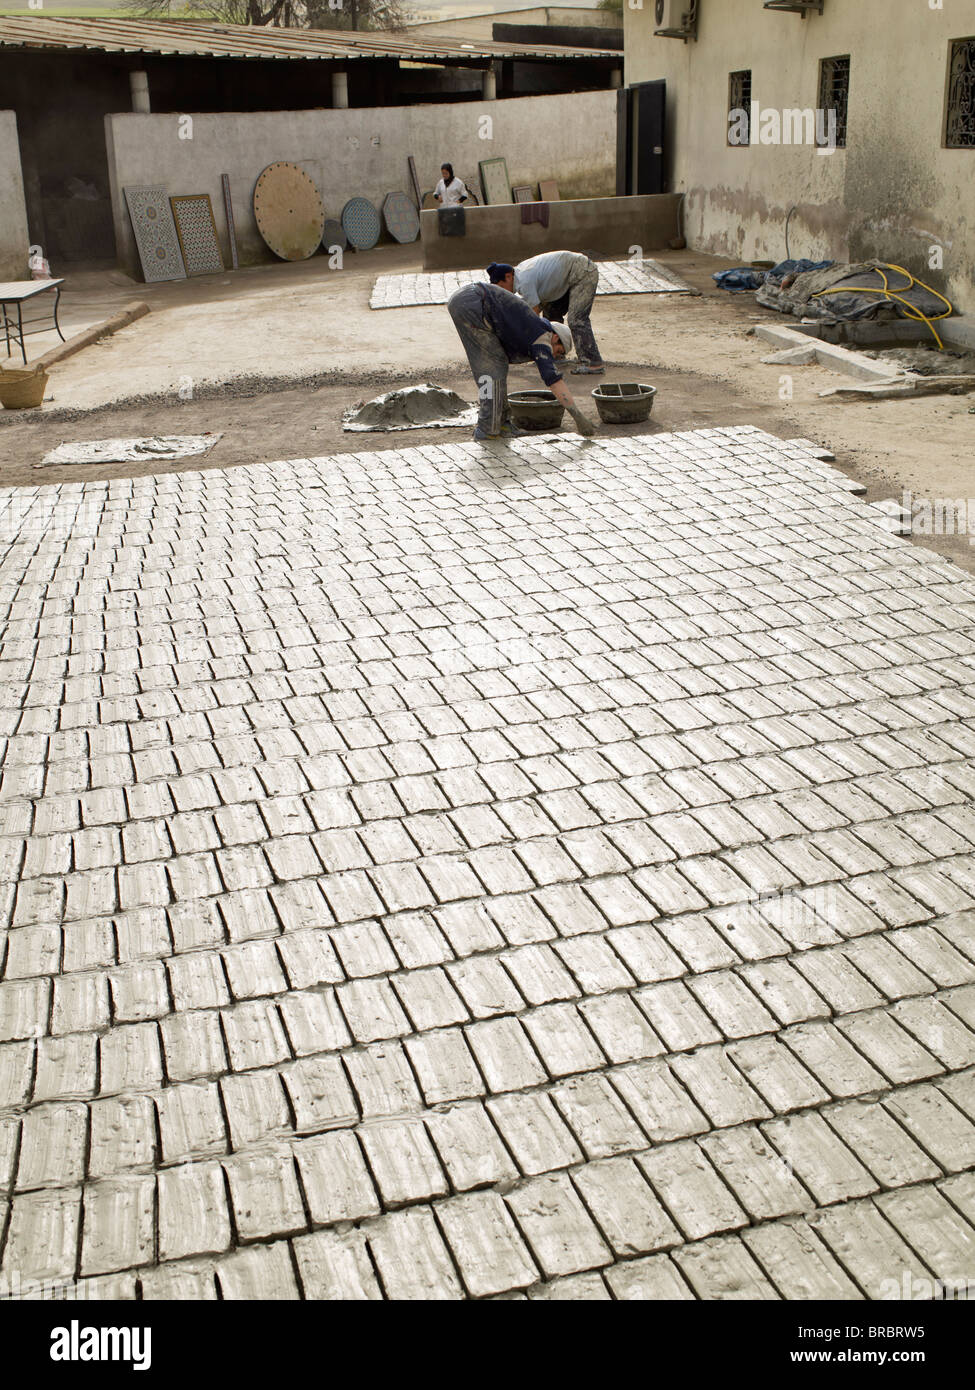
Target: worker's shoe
point(509, 430)
point(482, 435)
point(584, 369)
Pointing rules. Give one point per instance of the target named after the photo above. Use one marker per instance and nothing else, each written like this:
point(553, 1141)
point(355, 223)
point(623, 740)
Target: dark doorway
point(60, 100)
point(640, 117)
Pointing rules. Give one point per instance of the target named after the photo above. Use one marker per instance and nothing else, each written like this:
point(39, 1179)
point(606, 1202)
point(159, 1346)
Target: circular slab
point(401, 217)
point(333, 235)
point(290, 214)
point(361, 223)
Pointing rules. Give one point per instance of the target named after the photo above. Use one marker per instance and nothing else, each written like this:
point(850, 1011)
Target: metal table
point(14, 294)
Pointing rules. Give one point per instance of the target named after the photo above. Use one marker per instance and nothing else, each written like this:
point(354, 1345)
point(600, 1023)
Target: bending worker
point(562, 283)
point(496, 327)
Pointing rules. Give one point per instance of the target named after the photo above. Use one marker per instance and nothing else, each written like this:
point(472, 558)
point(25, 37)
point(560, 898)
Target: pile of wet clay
point(927, 361)
point(413, 408)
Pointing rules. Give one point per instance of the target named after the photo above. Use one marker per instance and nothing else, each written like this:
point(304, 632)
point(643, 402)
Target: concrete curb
point(840, 359)
point(125, 316)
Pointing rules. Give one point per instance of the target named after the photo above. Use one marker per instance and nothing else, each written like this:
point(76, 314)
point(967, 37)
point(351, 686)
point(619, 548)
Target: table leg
point(6, 326)
point(57, 300)
point(20, 330)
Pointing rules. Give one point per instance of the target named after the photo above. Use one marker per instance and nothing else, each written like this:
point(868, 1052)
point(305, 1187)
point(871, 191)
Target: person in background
point(558, 283)
point(496, 328)
point(450, 191)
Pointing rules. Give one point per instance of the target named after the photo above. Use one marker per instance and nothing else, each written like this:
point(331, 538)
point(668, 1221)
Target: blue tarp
point(746, 277)
point(785, 268)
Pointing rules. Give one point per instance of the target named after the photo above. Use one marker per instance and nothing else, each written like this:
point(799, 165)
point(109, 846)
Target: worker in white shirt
point(562, 283)
point(450, 191)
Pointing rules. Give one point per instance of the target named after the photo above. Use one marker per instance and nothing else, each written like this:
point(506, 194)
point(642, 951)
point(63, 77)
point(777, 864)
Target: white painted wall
point(893, 193)
point(14, 237)
point(363, 151)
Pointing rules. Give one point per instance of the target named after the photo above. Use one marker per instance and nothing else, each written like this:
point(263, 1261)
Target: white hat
point(565, 333)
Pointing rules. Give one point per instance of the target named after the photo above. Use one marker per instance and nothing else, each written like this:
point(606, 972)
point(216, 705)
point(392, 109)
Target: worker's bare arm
point(562, 393)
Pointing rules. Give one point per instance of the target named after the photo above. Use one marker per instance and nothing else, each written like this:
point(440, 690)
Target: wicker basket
point(22, 386)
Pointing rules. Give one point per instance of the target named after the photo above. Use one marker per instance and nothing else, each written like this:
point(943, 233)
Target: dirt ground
point(274, 355)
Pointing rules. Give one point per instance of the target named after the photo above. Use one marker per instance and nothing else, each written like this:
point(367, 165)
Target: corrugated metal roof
point(181, 36)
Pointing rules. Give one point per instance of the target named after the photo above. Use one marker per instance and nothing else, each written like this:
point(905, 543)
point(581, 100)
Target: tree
point(615, 5)
point(282, 14)
point(355, 14)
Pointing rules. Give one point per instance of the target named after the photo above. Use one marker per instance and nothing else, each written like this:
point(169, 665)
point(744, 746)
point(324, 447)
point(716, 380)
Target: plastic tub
point(624, 402)
point(536, 410)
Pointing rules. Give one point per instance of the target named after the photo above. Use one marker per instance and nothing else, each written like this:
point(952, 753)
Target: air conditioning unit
point(675, 19)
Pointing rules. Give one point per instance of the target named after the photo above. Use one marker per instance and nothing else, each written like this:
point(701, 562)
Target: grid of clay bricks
point(436, 287)
point(467, 871)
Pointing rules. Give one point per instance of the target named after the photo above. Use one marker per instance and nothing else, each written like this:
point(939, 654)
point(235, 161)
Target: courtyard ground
point(438, 870)
point(274, 354)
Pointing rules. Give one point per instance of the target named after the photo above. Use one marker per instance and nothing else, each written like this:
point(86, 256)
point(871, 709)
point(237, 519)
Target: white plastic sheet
point(157, 446)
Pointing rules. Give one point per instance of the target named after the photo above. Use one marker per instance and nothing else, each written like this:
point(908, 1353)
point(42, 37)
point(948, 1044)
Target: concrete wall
point(569, 137)
point(601, 226)
point(480, 26)
point(893, 193)
point(14, 238)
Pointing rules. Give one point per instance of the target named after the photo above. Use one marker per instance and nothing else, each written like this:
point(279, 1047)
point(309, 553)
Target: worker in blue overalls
point(496, 328)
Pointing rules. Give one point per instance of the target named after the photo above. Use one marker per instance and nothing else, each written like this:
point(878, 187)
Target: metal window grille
point(834, 92)
point(960, 125)
point(740, 99)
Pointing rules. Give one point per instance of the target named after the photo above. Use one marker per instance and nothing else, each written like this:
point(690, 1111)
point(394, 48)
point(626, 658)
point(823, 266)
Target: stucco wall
point(893, 193)
point(569, 137)
point(14, 237)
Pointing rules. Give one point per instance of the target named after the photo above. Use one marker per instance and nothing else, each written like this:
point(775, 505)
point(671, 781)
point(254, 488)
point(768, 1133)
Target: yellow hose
point(912, 311)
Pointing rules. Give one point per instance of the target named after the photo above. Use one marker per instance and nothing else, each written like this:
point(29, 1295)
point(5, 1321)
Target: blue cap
point(497, 270)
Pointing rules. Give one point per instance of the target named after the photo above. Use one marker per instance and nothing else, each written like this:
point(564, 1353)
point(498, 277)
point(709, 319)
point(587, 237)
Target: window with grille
point(739, 107)
point(960, 123)
point(834, 92)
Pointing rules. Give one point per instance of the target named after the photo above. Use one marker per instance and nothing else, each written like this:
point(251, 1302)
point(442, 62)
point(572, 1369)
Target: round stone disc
point(334, 234)
point(361, 223)
point(290, 214)
point(401, 217)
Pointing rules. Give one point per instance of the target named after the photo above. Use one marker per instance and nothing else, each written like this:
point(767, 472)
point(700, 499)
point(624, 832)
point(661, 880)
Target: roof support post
point(489, 85)
point(139, 87)
point(340, 90)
